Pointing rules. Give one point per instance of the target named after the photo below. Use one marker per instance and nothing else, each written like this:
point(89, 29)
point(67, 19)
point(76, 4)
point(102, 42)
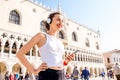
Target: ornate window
point(0, 45)
point(6, 47)
point(21, 45)
point(87, 43)
point(97, 46)
point(14, 48)
point(33, 51)
point(108, 60)
point(14, 17)
point(61, 35)
point(74, 37)
point(42, 26)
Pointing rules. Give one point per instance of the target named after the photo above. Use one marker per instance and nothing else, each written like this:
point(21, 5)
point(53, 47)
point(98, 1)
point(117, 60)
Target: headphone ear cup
point(48, 20)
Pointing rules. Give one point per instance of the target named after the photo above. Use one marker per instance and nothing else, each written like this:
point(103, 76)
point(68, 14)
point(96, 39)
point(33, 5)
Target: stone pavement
point(97, 78)
point(100, 78)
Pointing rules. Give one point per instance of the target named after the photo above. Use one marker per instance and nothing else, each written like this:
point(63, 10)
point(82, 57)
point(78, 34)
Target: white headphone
point(48, 20)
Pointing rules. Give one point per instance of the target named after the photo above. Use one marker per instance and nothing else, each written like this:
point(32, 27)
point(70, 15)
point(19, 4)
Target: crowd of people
point(17, 76)
point(76, 74)
point(113, 73)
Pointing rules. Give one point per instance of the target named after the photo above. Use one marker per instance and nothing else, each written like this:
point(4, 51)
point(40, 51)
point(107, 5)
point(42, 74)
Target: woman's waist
point(56, 67)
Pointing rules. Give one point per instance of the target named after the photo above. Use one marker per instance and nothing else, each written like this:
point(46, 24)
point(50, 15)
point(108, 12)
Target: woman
point(51, 50)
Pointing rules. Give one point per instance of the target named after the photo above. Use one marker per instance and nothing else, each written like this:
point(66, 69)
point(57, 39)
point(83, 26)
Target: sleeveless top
point(52, 51)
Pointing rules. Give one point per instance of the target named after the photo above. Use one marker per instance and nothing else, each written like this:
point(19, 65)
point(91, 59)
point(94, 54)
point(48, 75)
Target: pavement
point(97, 78)
point(100, 78)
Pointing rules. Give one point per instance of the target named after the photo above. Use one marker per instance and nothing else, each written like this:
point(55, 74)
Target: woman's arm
point(21, 54)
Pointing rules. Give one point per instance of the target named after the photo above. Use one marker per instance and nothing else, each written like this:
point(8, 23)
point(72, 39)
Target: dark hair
point(51, 17)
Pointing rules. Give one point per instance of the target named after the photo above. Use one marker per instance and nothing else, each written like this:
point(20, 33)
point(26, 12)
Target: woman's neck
point(51, 33)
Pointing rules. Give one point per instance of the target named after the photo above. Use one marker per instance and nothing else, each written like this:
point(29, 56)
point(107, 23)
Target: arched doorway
point(3, 68)
point(91, 72)
point(16, 68)
point(95, 72)
point(80, 70)
point(68, 70)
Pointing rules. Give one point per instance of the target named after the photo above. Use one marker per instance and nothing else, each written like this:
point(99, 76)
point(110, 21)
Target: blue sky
point(103, 15)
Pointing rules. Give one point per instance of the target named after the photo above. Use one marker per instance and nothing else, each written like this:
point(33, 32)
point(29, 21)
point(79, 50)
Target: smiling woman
point(51, 50)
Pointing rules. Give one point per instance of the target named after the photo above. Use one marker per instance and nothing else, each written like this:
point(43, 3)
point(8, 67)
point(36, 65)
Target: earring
point(48, 20)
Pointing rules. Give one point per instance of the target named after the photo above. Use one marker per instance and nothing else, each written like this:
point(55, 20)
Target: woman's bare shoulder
point(41, 38)
point(40, 34)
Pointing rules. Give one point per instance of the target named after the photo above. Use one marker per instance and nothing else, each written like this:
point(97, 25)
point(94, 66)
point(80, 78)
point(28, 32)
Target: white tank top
point(52, 51)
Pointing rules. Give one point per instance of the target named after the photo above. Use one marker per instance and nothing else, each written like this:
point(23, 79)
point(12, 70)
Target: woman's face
point(57, 22)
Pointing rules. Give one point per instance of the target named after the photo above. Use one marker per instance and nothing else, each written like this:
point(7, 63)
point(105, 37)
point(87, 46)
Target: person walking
point(102, 74)
point(85, 74)
point(75, 73)
point(7, 75)
point(50, 49)
point(116, 71)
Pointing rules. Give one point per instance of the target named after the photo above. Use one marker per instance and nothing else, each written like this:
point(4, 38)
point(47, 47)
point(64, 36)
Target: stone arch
point(95, 72)
point(16, 68)
point(68, 70)
point(3, 68)
point(91, 71)
point(99, 71)
point(80, 70)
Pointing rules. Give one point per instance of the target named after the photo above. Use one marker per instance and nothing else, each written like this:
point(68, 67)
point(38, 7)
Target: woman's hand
point(42, 67)
point(68, 59)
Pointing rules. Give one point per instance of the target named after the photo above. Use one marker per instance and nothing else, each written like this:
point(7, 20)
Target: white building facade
point(21, 19)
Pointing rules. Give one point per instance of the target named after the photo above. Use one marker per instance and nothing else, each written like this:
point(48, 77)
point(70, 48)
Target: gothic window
point(33, 51)
point(0, 45)
point(108, 60)
point(114, 59)
point(81, 58)
point(97, 46)
point(42, 26)
point(78, 57)
point(21, 45)
point(75, 57)
point(6, 47)
point(87, 43)
point(14, 48)
point(61, 35)
point(14, 17)
point(74, 37)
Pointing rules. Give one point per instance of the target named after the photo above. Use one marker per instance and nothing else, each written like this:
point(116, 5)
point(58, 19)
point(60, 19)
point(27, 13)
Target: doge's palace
point(21, 19)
